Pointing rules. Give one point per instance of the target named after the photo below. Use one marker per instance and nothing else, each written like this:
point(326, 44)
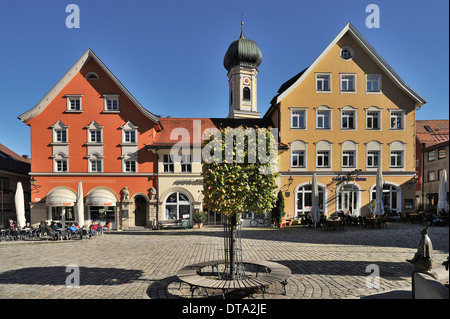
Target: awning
point(61, 197)
point(101, 197)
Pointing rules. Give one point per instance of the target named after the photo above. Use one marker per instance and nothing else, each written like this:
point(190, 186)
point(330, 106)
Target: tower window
point(246, 94)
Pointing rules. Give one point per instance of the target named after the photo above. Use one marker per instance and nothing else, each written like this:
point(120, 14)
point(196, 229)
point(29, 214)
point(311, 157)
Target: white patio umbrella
point(442, 203)
point(20, 205)
point(379, 207)
point(315, 209)
point(79, 206)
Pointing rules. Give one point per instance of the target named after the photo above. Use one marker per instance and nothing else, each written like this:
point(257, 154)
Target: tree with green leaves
point(241, 176)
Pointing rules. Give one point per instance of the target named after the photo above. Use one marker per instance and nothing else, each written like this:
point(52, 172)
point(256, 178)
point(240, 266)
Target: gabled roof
point(85, 58)
point(290, 85)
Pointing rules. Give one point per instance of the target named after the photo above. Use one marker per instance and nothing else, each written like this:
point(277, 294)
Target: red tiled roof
point(438, 131)
point(169, 125)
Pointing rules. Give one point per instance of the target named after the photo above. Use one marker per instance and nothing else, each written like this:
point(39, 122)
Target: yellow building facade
point(342, 117)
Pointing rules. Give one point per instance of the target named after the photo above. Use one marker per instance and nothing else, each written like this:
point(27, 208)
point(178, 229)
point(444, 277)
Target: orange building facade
point(90, 129)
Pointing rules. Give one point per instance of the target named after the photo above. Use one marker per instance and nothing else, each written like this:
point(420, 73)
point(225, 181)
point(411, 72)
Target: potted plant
point(199, 218)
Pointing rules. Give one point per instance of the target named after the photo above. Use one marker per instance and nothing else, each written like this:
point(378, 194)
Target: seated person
point(73, 228)
point(93, 228)
point(51, 232)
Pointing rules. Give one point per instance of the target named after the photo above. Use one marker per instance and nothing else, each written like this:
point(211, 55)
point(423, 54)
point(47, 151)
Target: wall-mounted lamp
point(290, 180)
point(34, 184)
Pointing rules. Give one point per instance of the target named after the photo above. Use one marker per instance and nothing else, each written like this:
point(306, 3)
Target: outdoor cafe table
point(334, 224)
point(373, 222)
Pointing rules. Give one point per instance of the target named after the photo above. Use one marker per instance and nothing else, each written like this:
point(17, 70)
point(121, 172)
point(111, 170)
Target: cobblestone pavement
point(143, 264)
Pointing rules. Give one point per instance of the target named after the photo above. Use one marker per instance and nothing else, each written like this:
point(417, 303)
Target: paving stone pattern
point(143, 264)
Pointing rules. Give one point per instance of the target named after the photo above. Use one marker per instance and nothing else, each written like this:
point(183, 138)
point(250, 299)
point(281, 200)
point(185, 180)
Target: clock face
point(246, 80)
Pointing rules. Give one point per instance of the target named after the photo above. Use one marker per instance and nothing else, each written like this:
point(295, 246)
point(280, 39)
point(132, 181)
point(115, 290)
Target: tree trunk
point(232, 247)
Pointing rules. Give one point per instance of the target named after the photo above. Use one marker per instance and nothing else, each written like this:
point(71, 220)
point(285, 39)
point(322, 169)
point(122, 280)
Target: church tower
point(241, 61)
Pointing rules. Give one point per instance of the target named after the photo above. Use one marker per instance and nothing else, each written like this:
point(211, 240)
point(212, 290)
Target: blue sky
point(169, 54)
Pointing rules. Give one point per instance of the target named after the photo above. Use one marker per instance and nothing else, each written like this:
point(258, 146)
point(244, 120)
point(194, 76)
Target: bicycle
point(259, 221)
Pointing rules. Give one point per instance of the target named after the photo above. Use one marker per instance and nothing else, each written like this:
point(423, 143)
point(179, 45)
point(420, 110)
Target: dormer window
point(111, 103)
point(91, 76)
point(74, 103)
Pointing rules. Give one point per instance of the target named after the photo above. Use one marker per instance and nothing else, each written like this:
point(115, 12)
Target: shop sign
point(188, 182)
point(348, 179)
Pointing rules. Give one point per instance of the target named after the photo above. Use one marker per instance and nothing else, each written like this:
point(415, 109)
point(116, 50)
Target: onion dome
point(243, 52)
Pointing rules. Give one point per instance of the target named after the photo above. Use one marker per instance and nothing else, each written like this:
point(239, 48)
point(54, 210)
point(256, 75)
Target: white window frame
point(127, 160)
point(60, 136)
point(397, 151)
point(186, 163)
point(130, 136)
point(328, 111)
point(317, 76)
point(74, 97)
point(298, 146)
point(347, 147)
point(168, 163)
point(378, 76)
point(129, 163)
point(96, 157)
point(95, 168)
point(129, 127)
point(343, 80)
point(298, 154)
point(59, 127)
point(58, 159)
point(348, 155)
point(111, 97)
point(398, 156)
point(373, 110)
point(323, 155)
point(95, 136)
point(321, 147)
point(301, 111)
point(94, 127)
point(373, 154)
point(394, 114)
point(345, 112)
point(348, 49)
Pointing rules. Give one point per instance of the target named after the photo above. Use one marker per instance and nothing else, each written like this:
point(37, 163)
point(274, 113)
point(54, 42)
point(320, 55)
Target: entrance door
point(348, 199)
point(140, 206)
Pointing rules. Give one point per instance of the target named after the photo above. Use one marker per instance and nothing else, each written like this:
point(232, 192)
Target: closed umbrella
point(20, 205)
point(379, 207)
point(442, 203)
point(79, 206)
point(315, 209)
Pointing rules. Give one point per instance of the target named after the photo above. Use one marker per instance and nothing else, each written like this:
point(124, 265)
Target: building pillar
point(125, 215)
point(152, 213)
